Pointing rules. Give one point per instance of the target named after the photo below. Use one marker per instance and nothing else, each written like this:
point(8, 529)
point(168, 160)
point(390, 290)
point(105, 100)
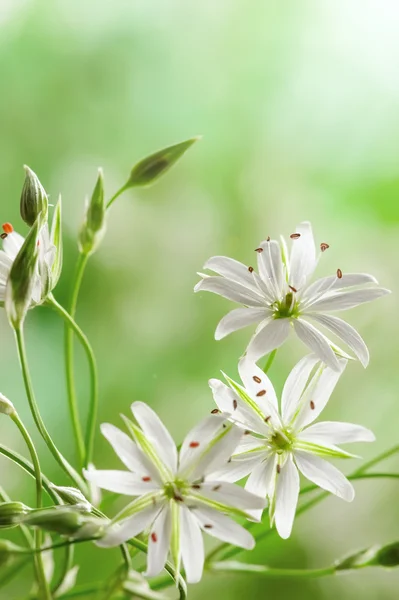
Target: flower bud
point(22, 278)
point(376, 556)
point(11, 513)
point(151, 168)
point(6, 406)
point(72, 496)
point(93, 228)
point(387, 556)
point(65, 520)
point(34, 201)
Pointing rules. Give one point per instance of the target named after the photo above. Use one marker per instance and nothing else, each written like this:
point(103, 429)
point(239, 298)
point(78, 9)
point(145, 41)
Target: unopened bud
point(151, 168)
point(34, 201)
point(61, 519)
point(56, 241)
point(377, 556)
point(388, 556)
point(6, 406)
point(358, 560)
point(11, 513)
point(22, 278)
point(72, 496)
point(93, 228)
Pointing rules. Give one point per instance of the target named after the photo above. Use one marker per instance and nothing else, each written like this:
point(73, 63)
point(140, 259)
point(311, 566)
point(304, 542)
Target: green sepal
point(56, 241)
point(93, 228)
point(154, 166)
point(22, 278)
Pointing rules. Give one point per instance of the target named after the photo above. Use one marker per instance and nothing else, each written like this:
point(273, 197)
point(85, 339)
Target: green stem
point(69, 369)
point(93, 409)
point(237, 567)
point(269, 361)
point(40, 574)
point(83, 590)
point(66, 566)
point(27, 466)
point(64, 464)
point(116, 195)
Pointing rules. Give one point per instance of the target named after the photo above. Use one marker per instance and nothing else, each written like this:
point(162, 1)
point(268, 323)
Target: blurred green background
point(298, 104)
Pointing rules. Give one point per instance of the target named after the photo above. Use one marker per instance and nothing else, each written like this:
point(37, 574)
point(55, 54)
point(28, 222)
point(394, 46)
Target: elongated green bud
point(387, 556)
point(11, 513)
point(56, 241)
point(60, 519)
point(6, 406)
point(22, 278)
point(93, 228)
point(376, 556)
point(151, 168)
point(72, 496)
point(34, 201)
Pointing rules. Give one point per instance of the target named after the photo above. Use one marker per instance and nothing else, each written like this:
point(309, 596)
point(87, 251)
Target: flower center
point(281, 442)
point(175, 490)
point(288, 307)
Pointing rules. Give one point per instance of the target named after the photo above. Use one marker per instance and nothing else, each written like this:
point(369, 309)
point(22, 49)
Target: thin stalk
point(66, 566)
point(69, 369)
point(28, 467)
point(40, 574)
point(64, 464)
point(116, 195)
point(237, 567)
point(93, 409)
point(269, 361)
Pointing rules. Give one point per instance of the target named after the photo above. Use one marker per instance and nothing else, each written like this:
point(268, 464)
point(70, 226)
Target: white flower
point(278, 443)
point(178, 495)
point(281, 297)
point(12, 244)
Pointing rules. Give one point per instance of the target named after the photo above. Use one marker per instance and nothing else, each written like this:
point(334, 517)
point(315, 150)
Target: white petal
point(230, 290)
point(192, 545)
point(334, 283)
point(157, 434)
point(12, 244)
point(334, 432)
point(316, 341)
point(238, 467)
point(223, 528)
point(213, 455)
point(261, 481)
point(346, 333)
point(159, 542)
point(317, 394)
point(5, 266)
point(303, 256)
point(121, 482)
point(232, 269)
point(239, 318)
point(231, 495)
point(270, 337)
point(345, 300)
point(201, 435)
point(270, 267)
point(295, 385)
point(256, 382)
point(229, 402)
point(287, 492)
point(325, 475)
point(119, 533)
point(129, 453)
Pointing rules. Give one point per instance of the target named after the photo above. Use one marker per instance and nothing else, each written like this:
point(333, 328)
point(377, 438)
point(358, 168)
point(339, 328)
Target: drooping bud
point(387, 556)
point(6, 406)
point(56, 242)
point(22, 278)
point(34, 201)
point(152, 167)
point(93, 228)
point(72, 496)
point(11, 513)
point(376, 556)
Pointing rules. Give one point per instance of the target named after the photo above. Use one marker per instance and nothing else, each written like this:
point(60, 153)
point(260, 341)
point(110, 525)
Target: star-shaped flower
point(281, 297)
point(280, 442)
point(177, 494)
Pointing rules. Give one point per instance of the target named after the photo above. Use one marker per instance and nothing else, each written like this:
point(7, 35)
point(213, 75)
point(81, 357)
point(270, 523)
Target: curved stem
point(93, 409)
point(69, 370)
point(237, 567)
point(64, 464)
point(27, 466)
point(116, 195)
point(40, 574)
point(269, 361)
